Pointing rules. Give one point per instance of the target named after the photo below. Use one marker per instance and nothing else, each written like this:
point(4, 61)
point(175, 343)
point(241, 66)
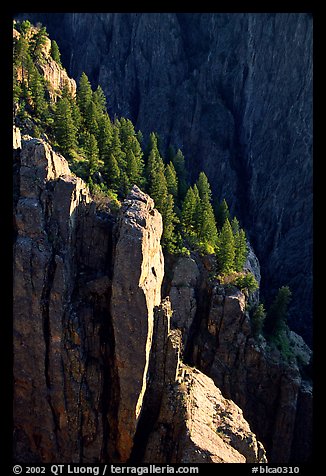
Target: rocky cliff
point(268, 384)
point(98, 371)
point(55, 76)
point(234, 91)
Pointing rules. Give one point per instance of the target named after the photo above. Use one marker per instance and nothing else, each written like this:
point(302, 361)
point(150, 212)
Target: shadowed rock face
point(234, 91)
point(59, 355)
point(94, 355)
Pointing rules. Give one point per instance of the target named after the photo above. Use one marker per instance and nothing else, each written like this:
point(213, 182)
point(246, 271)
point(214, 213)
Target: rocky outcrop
point(97, 368)
point(218, 338)
point(136, 290)
point(186, 418)
point(256, 376)
point(55, 76)
point(234, 91)
point(182, 295)
point(17, 144)
point(59, 348)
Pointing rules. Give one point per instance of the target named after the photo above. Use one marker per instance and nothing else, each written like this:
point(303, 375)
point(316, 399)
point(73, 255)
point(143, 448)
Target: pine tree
point(105, 134)
point(25, 26)
point(92, 153)
point(134, 169)
point(203, 186)
point(241, 249)
point(155, 165)
point(126, 131)
point(277, 313)
point(169, 222)
point(180, 168)
point(258, 319)
point(99, 100)
point(197, 213)
point(64, 127)
point(235, 225)
point(37, 90)
point(136, 149)
point(125, 185)
point(21, 50)
point(113, 173)
point(188, 212)
point(226, 249)
point(207, 231)
point(55, 53)
point(84, 94)
point(132, 150)
point(38, 42)
point(205, 225)
point(222, 213)
point(171, 179)
point(116, 149)
point(17, 90)
point(158, 188)
point(91, 117)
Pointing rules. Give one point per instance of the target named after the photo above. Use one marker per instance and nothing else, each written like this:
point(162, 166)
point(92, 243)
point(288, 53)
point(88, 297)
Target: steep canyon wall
point(234, 91)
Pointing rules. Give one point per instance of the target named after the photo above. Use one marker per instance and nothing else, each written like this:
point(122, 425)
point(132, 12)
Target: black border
point(6, 356)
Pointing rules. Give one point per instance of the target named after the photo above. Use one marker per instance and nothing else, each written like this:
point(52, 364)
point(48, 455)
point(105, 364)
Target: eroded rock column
point(136, 289)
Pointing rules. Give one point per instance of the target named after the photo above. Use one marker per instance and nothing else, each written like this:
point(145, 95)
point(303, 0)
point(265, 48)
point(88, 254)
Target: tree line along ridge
point(111, 156)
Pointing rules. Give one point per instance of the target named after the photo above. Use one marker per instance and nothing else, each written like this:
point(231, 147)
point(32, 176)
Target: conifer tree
point(197, 213)
point(226, 249)
point(258, 319)
point(203, 186)
point(25, 26)
point(132, 169)
point(205, 220)
point(277, 313)
point(136, 149)
point(65, 129)
point(207, 231)
point(38, 42)
point(113, 173)
point(99, 100)
point(17, 90)
point(158, 188)
point(84, 94)
point(37, 90)
point(21, 51)
point(154, 166)
point(180, 168)
point(169, 221)
point(126, 131)
point(55, 53)
point(235, 225)
point(105, 134)
point(140, 137)
point(222, 213)
point(124, 185)
point(132, 149)
point(92, 153)
point(91, 118)
point(171, 179)
point(188, 212)
point(116, 149)
point(241, 250)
